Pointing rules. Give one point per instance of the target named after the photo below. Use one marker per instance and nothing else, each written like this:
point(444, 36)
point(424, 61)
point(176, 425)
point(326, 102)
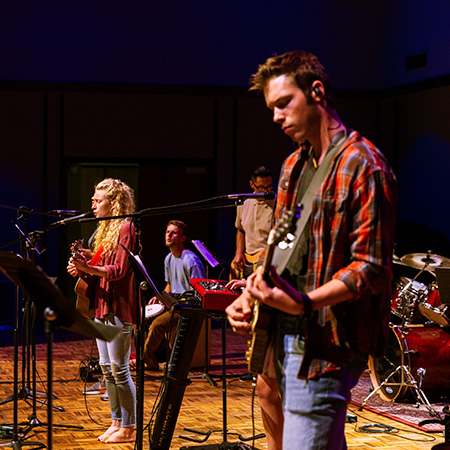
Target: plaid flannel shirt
point(351, 239)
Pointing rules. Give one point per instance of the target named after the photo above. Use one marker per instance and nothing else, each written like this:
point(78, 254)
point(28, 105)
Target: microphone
point(260, 196)
point(67, 212)
point(78, 218)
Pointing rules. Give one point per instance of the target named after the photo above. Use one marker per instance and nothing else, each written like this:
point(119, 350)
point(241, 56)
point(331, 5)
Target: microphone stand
point(27, 390)
point(58, 312)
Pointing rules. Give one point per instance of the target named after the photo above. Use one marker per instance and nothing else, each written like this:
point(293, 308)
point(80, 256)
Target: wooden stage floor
point(201, 409)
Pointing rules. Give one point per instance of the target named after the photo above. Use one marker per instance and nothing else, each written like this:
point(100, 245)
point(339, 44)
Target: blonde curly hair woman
point(115, 299)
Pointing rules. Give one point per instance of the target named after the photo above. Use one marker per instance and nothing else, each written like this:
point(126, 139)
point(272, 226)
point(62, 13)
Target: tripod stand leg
point(16, 443)
point(420, 395)
point(407, 381)
point(378, 388)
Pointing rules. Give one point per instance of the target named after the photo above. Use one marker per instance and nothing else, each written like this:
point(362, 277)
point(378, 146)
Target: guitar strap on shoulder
point(281, 257)
point(97, 257)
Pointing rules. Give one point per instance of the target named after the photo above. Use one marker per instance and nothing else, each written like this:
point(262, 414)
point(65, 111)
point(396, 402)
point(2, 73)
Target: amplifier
point(213, 293)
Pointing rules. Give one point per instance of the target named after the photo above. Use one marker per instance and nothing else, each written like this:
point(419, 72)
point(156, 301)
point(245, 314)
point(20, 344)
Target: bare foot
point(111, 430)
point(124, 434)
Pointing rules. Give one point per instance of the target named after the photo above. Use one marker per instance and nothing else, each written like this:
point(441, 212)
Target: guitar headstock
point(284, 233)
point(76, 247)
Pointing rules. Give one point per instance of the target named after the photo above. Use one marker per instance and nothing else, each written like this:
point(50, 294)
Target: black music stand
point(211, 261)
point(58, 312)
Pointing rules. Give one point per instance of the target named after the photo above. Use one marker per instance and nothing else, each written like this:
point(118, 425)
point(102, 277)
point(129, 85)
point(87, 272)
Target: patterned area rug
point(408, 413)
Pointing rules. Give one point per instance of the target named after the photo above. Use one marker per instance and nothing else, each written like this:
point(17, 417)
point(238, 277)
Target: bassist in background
point(254, 220)
point(332, 296)
point(115, 301)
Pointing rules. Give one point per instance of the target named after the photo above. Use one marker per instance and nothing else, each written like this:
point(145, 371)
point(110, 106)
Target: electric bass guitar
point(282, 235)
point(239, 273)
point(85, 286)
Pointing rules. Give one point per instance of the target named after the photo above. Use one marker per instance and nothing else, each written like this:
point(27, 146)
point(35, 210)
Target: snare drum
point(405, 300)
point(425, 348)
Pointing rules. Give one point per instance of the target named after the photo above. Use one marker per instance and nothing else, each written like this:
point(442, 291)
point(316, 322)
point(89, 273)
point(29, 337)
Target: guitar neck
point(268, 259)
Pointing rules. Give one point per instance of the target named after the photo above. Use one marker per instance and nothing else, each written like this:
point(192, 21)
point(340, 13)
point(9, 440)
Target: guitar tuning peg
point(290, 237)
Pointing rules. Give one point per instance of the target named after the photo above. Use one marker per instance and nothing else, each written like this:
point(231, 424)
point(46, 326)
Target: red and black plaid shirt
point(351, 239)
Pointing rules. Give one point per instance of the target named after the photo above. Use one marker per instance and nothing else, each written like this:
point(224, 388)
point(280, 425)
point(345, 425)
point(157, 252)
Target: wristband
point(307, 306)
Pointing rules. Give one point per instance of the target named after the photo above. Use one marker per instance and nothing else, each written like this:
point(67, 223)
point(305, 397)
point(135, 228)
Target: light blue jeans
point(314, 410)
point(115, 363)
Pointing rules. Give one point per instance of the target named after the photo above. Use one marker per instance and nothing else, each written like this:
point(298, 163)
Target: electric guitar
point(85, 286)
point(239, 273)
point(261, 318)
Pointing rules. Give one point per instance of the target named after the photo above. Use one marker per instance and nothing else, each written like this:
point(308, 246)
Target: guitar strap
point(97, 257)
point(281, 257)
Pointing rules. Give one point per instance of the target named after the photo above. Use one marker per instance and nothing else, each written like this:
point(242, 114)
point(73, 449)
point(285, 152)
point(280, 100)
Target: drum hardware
point(400, 379)
point(407, 307)
point(421, 373)
point(407, 380)
point(436, 314)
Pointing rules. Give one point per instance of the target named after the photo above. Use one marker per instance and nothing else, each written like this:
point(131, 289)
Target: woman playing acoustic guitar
point(115, 300)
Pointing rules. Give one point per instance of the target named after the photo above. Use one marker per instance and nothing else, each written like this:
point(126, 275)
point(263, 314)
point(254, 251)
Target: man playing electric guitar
point(331, 293)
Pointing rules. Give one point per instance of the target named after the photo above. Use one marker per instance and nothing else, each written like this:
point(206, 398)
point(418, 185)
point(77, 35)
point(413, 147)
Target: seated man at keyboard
point(180, 265)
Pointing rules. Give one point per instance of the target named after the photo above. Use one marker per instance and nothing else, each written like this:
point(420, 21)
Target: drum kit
point(418, 353)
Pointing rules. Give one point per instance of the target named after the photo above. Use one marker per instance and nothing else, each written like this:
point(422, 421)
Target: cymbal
point(396, 260)
point(425, 260)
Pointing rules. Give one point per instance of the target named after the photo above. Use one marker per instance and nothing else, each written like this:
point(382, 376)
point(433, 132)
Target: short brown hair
point(303, 67)
point(181, 225)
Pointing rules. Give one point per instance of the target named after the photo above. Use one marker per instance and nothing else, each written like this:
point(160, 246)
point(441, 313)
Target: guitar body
point(261, 321)
point(86, 284)
point(261, 332)
point(238, 273)
point(85, 290)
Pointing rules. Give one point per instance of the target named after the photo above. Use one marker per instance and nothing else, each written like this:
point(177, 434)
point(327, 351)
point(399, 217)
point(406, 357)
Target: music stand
point(58, 312)
point(209, 258)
